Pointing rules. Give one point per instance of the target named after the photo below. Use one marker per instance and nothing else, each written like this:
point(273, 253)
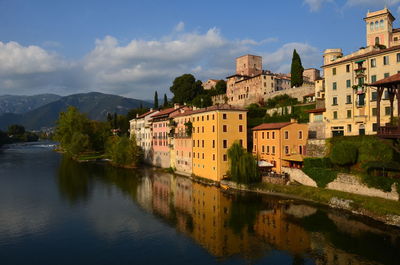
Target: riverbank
point(382, 210)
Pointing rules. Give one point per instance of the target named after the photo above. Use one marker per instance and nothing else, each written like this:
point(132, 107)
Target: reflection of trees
point(73, 181)
point(244, 211)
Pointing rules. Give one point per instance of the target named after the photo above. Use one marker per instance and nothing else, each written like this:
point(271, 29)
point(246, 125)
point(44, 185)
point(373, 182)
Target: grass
point(374, 205)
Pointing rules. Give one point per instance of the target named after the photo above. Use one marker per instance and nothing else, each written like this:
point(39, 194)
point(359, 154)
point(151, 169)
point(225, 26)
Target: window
point(213, 144)
point(300, 149)
point(376, 26)
point(376, 40)
point(348, 83)
point(398, 57)
point(386, 95)
point(286, 149)
point(348, 68)
point(386, 60)
point(224, 128)
point(273, 135)
point(373, 78)
point(381, 24)
point(267, 149)
point(387, 111)
point(194, 143)
point(386, 75)
point(300, 135)
point(255, 148)
point(262, 135)
point(262, 149)
point(334, 101)
point(273, 149)
point(334, 86)
point(348, 99)
point(240, 116)
point(240, 128)
point(373, 111)
point(371, 26)
point(374, 95)
point(224, 116)
point(286, 135)
point(213, 157)
point(202, 143)
point(225, 143)
point(334, 71)
point(213, 128)
point(348, 113)
point(335, 115)
point(373, 63)
point(348, 127)
point(267, 135)
point(225, 157)
point(198, 143)
point(213, 116)
point(202, 118)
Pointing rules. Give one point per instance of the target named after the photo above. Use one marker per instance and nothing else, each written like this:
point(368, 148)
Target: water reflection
point(230, 225)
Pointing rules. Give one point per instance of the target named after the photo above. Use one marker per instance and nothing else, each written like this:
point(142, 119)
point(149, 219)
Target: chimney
point(176, 106)
point(151, 109)
point(292, 120)
point(137, 115)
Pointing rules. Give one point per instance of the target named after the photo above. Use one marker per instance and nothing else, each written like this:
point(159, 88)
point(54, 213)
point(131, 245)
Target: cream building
point(141, 128)
point(350, 103)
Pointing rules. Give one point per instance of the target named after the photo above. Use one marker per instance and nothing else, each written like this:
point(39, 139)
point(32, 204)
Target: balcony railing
point(389, 131)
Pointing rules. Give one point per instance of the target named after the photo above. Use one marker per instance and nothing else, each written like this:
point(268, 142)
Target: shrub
point(344, 154)
point(324, 162)
point(322, 176)
point(379, 182)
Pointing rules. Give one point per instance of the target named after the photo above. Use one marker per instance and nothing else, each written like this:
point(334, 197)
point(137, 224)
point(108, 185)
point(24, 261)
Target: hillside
point(95, 105)
point(22, 104)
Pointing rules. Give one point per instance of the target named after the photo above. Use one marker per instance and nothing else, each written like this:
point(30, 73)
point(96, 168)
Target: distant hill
point(95, 105)
point(22, 104)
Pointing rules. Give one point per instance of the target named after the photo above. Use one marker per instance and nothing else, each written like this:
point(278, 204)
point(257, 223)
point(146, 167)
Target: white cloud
point(180, 27)
point(17, 59)
point(316, 5)
point(280, 60)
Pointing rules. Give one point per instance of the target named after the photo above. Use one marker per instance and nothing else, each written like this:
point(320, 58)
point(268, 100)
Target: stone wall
point(274, 180)
point(296, 92)
point(350, 183)
point(297, 175)
point(280, 111)
point(316, 148)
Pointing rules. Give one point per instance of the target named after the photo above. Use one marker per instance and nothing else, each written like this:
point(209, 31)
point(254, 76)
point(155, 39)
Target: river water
point(57, 211)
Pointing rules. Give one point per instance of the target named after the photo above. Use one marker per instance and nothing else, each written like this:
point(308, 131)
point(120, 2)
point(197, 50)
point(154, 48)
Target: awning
point(263, 163)
point(294, 158)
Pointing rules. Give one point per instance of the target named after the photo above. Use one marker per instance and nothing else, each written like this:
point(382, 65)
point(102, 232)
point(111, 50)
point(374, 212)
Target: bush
point(379, 182)
point(344, 154)
point(324, 162)
point(322, 176)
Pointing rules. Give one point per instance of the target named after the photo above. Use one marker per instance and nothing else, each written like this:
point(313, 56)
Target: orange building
point(280, 144)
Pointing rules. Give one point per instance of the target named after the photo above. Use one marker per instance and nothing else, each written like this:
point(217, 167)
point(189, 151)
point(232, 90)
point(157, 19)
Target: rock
point(340, 203)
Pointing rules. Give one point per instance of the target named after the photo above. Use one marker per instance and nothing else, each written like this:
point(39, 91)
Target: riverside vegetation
point(17, 134)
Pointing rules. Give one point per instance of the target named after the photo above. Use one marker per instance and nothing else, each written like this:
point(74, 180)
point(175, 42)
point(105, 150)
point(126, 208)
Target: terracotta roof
point(396, 30)
point(397, 47)
point(309, 95)
point(271, 126)
point(166, 112)
point(388, 81)
point(316, 110)
point(145, 114)
point(211, 108)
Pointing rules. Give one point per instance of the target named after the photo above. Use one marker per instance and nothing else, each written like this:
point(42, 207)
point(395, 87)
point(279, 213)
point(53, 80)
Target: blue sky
point(133, 48)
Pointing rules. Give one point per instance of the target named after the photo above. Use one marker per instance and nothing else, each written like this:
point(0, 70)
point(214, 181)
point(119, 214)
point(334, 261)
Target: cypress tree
point(296, 70)
point(165, 101)
point(155, 100)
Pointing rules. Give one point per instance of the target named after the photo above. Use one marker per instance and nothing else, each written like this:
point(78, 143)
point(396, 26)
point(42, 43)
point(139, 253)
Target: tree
point(202, 101)
point(344, 154)
point(185, 88)
point(156, 100)
point(165, 101)
point(124, 151)
point(220, 87)
point(242, 165)
point(16, 129)
point(296, 70)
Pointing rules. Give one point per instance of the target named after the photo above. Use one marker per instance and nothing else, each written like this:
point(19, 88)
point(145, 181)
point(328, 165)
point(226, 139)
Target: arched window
point(381, 24)
point(371, 26)
point(376, 40)
point(376, 25)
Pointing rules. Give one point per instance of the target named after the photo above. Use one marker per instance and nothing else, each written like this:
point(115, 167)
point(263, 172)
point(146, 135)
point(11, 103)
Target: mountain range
point(94, 104)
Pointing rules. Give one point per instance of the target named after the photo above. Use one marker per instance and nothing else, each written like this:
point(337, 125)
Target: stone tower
point(249, 65)
point(379, 27)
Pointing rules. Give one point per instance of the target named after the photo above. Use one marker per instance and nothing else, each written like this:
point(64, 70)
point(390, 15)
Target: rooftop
point(388, 81)
point(145, 114)
point(166, 112)
point(225, 107)
point(271, 126)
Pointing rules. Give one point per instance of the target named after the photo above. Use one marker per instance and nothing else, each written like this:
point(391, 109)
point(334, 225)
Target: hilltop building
point(251, 84)
point(351, 105)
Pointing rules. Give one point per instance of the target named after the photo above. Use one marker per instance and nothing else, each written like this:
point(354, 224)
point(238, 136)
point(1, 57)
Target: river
point(56, 211)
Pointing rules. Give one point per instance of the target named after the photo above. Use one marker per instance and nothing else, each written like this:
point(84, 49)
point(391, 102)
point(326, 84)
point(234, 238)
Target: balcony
point(389, 131)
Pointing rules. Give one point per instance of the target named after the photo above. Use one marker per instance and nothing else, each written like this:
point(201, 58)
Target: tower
point(379, 27)
point(249, 65)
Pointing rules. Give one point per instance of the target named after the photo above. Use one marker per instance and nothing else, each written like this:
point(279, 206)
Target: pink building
point(183, 143)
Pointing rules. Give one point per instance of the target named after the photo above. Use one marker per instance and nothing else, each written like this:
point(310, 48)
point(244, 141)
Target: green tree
point(202, 101)
point(220, 87)
point(124, 151)
point(156, 100)
point(185, 88)
point(242, 165)
point(296, 70)
point(165, 101)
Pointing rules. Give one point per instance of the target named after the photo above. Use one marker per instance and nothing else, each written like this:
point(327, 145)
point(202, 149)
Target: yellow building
point(350, 103)
point(215, 129)
point(280, 144)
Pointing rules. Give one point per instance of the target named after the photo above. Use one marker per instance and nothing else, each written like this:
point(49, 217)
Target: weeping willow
point(243, 166)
